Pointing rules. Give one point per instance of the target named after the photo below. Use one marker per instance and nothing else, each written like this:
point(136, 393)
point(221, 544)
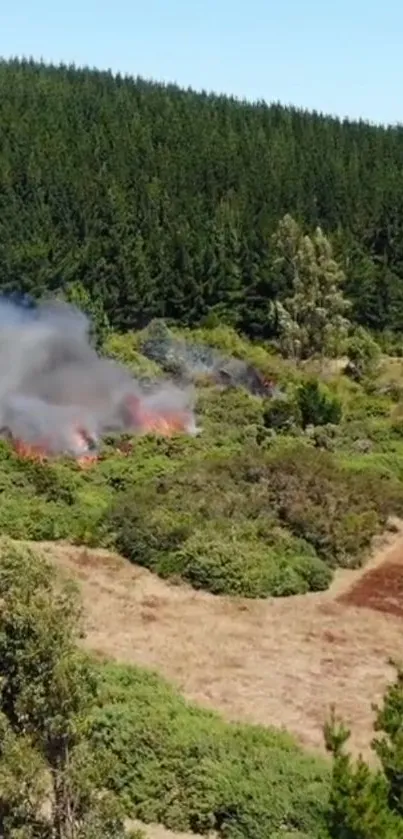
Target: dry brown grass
point(276, 662)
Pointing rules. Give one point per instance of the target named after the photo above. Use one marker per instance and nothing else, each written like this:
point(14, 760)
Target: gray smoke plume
point(54, 384)
point(193, 360)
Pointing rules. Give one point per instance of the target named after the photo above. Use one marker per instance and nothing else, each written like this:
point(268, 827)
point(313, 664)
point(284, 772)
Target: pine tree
point(366, 803)
point(89, 162)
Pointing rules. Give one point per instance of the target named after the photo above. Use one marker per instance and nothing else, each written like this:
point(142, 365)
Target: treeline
point(163, 202)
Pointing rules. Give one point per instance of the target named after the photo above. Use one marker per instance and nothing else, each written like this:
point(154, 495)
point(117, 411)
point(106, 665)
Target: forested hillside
point(164, 202)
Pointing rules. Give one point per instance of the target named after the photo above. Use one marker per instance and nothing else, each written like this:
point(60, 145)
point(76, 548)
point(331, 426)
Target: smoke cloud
point(191, 360)
point(57, 393)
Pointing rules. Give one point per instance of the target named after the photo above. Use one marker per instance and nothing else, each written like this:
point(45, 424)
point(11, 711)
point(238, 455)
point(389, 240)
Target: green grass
point(188, 769)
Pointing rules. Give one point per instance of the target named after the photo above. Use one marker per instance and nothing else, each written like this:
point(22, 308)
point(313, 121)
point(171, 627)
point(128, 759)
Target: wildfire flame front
point(59, 397)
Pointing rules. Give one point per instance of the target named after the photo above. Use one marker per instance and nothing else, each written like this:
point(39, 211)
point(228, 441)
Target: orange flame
point(151, 422)
point(36, 452)
point(40, 452)
point(166, 424)
point(89, 458)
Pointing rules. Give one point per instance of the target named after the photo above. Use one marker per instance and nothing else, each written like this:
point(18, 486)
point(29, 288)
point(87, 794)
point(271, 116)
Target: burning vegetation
point(59, 397)
point(192, 360)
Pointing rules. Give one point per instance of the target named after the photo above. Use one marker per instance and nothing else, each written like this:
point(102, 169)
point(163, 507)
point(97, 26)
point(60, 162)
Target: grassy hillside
point(73, 728)
point(270, 497)
point(137, 202)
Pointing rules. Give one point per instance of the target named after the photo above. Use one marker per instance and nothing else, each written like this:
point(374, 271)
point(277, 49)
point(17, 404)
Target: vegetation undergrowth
point(269, 499)
point(84, 744)
point(188, 769)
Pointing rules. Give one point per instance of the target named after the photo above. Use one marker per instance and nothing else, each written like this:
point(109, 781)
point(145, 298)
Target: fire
point(166, 424)
point(83, 444)
point(41, 451)
point(40, 454)
point(36, 452)
point(83, 439)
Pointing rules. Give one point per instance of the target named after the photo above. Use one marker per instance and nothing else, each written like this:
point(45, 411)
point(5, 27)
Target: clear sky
point(342, 57)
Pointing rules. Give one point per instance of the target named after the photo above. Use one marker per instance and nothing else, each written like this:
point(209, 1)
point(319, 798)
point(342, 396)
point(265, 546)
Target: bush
point(51, 780)
point(164, 495)
point(165, 527)
point(215, 522)
point(35, 519)
point(325, 437)
point(49, 480)
point(125, 349)
point(251, 569)
point(190, 770)
point(282, 414)
point(363, 354)
point(315, 572)
point(231, 409)
point(368, 406)
point(140, 535)
point(336, 510)
point(317, 405)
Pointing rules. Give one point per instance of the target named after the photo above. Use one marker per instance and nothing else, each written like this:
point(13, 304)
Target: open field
point(276, 662)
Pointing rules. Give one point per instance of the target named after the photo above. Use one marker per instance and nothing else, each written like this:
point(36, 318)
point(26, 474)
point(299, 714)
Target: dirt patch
point(380, 589)
point(379, 586)
point(279, 662)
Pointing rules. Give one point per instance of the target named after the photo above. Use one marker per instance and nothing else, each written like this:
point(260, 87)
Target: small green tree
point(317, 406)
point(282, 414)
point(367, 804)
point(363, 355)
point(310, 319)
point(50, 780)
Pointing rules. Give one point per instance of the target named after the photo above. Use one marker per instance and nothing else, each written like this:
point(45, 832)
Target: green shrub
point(215, 522)
point(35, 518)
point(166, 528)
point(188, 769)
point(140, 536)
point(363, 354)
point(325, 437)
point(336, 510)
point(364, 406)
point(168, 502)
point(314, 571)
point(49, 480)
point(229, 409)
point(282, 414)
point(251, 569)
point(317, 405)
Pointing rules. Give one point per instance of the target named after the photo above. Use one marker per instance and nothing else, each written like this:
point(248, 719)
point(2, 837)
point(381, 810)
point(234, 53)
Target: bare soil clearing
point(278, 662)
point(381, 588)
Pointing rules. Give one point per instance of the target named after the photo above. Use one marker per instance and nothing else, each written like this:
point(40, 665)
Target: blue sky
point(343, 57)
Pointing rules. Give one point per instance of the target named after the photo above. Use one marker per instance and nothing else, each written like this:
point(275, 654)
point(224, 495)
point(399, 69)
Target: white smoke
point(53, 382)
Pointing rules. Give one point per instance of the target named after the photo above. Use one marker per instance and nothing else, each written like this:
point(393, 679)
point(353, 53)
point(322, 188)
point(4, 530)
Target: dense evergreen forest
point(163, 202)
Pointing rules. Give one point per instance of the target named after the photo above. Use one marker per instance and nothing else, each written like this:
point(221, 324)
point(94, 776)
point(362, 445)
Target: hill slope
point(162, 201)
point(280, 663)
